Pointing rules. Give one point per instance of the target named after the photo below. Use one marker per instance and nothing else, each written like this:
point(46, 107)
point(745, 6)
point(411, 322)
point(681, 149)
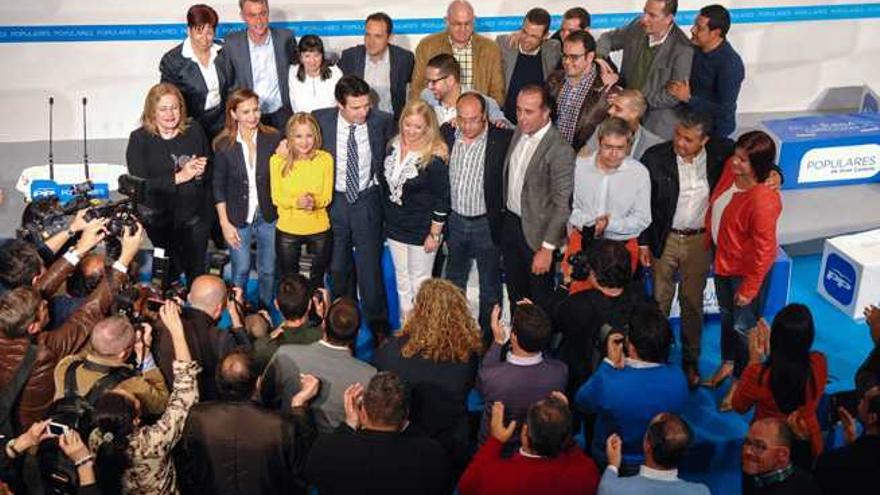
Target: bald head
point(460, 22)
point(112, 336)
point(237, 376)
point(207, 294)
point(666, 441)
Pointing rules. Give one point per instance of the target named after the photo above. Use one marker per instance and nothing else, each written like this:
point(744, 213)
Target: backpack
point(75, 411)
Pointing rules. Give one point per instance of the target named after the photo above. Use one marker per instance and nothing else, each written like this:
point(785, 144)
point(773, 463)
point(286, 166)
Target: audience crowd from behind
point(570, 182)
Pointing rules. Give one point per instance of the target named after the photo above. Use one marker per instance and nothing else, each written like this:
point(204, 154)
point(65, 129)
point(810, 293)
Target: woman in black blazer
point(416, 198)
point(198, 68)
point(242, 194)
point(172, 154)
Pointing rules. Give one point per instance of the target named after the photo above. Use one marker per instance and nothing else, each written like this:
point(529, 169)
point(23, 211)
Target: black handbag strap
point(114, 375)
point(10, 394)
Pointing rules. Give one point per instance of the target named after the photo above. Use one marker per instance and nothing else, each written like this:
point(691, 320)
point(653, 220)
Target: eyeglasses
point(757, 446)
point(435, 81)
point(573, 56)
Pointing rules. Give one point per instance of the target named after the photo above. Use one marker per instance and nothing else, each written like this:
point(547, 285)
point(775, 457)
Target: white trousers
point(412, 266)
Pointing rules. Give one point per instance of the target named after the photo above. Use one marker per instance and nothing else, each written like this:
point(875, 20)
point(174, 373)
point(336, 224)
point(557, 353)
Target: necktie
point(352, 171)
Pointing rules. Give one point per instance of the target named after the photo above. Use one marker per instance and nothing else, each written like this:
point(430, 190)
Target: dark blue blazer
point(231, 181)
point(401, 60)
point(185, 74)
point(239, 56)
point(497, 143)
point(380, 127)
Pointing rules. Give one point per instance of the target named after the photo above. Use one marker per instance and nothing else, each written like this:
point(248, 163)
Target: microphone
point(51, 155)
point(85, 141)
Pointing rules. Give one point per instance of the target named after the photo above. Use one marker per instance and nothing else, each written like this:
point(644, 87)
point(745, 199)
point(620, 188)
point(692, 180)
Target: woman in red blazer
point(742, 217)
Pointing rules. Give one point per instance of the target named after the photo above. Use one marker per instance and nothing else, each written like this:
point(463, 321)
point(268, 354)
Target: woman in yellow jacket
point(302, 187)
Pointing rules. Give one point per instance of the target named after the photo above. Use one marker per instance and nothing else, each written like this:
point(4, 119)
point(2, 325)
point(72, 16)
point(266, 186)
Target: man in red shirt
point(548, 462)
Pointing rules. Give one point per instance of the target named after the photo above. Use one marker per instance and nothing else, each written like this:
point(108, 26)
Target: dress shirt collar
point(482, 137)
point(344, 123)
point(382, 59)
point(515, 360)
point(699, 160)
point(538, 135)
point(468, 46)
point(266, 42)
point(188, 52)
point(657, 474)
point(239, 138)
point(638, 364)
point(529, 455)
point(652, 42)
point(533, 52)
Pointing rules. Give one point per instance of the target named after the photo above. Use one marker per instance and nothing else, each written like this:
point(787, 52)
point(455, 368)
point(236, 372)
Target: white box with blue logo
point(850, 274)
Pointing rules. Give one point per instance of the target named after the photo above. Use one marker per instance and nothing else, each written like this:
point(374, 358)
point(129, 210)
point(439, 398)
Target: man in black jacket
point(683, 173)
point(387, 68)
point(235, 446)
point(373, 451)
point(476, 167)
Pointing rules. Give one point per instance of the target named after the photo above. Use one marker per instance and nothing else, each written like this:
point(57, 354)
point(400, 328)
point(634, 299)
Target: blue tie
point(352, 170)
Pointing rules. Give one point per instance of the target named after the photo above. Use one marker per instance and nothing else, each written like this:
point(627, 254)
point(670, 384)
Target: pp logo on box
point(839, 279)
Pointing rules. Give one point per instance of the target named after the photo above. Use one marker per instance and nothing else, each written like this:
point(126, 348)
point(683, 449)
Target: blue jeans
point(264, 234)
point(737, 321)
point(471, 239)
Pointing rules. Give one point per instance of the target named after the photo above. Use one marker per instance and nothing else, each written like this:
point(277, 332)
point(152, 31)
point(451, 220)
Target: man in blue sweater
point(717, 72)
point(625, 393)
point(665, 444)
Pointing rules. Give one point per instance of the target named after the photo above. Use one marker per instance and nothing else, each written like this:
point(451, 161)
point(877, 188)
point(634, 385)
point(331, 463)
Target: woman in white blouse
point(313, 80)
point(197, 68)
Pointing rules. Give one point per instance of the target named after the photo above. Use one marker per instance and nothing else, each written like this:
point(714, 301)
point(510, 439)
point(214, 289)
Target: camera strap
point(113, 376)
point(12, 391)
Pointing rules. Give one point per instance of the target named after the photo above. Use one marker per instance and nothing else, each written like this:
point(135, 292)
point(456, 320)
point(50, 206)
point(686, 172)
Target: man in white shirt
point(612, 193)
point(537, 197)
point(386, 67)
point(260, 59)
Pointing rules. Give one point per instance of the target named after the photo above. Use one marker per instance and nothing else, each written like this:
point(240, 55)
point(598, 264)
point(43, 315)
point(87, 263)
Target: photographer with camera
point(171, 153)
point(207, 299)
point(29, 356)
point(612, 195)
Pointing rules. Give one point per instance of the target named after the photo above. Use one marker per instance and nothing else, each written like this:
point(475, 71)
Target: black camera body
point(579, 261)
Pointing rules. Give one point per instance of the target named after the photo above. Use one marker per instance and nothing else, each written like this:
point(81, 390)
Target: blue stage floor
point(715, 458)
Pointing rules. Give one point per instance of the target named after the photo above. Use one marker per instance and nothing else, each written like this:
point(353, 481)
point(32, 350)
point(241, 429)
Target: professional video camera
point(44, 217)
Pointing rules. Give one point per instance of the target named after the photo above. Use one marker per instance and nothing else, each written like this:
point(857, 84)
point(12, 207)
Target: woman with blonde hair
point(302, 188)
point(172, 154)
point(437, 353)
point(416, 198)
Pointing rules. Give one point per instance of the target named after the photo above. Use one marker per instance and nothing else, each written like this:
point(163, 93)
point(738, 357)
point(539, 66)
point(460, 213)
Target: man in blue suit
point(387, 68)
point(356, 136)
point(259, 59)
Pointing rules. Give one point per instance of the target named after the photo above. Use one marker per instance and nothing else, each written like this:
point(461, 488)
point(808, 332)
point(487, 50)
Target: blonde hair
point(301, 118)
point(151, 103)
point(434, 145)
point(441, 327)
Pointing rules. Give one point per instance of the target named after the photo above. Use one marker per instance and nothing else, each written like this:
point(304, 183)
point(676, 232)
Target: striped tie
point(352, 171)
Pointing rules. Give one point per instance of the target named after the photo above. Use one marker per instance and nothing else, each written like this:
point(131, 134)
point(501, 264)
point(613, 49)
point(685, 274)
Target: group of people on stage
point(566, 178)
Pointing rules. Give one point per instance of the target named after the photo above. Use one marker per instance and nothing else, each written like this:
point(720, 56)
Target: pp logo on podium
point(839, 279)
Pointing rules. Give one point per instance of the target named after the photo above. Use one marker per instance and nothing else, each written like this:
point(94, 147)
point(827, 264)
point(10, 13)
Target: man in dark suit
point(538, 183)
point(683, 173)
point(387, 68)
point(356, 137)
point(476, 167)
point(259, 58)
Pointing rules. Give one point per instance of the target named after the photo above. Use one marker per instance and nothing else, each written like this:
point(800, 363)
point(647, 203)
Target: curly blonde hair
point(441, 327)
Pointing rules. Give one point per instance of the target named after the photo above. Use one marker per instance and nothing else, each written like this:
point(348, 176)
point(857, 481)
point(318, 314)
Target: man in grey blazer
point(259, 59)
point(538, 183)
point(527, 57)
point(655, 52)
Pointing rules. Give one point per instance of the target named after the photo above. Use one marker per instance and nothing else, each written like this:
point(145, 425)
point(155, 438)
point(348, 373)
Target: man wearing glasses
point(443, 87)
point(580, 89)
point(612, 194)
point(478, 56)
point(766, 461)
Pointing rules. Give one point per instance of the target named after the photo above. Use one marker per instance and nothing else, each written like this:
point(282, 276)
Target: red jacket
point(746, 244)
point(753, 389)
point(489, 473)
